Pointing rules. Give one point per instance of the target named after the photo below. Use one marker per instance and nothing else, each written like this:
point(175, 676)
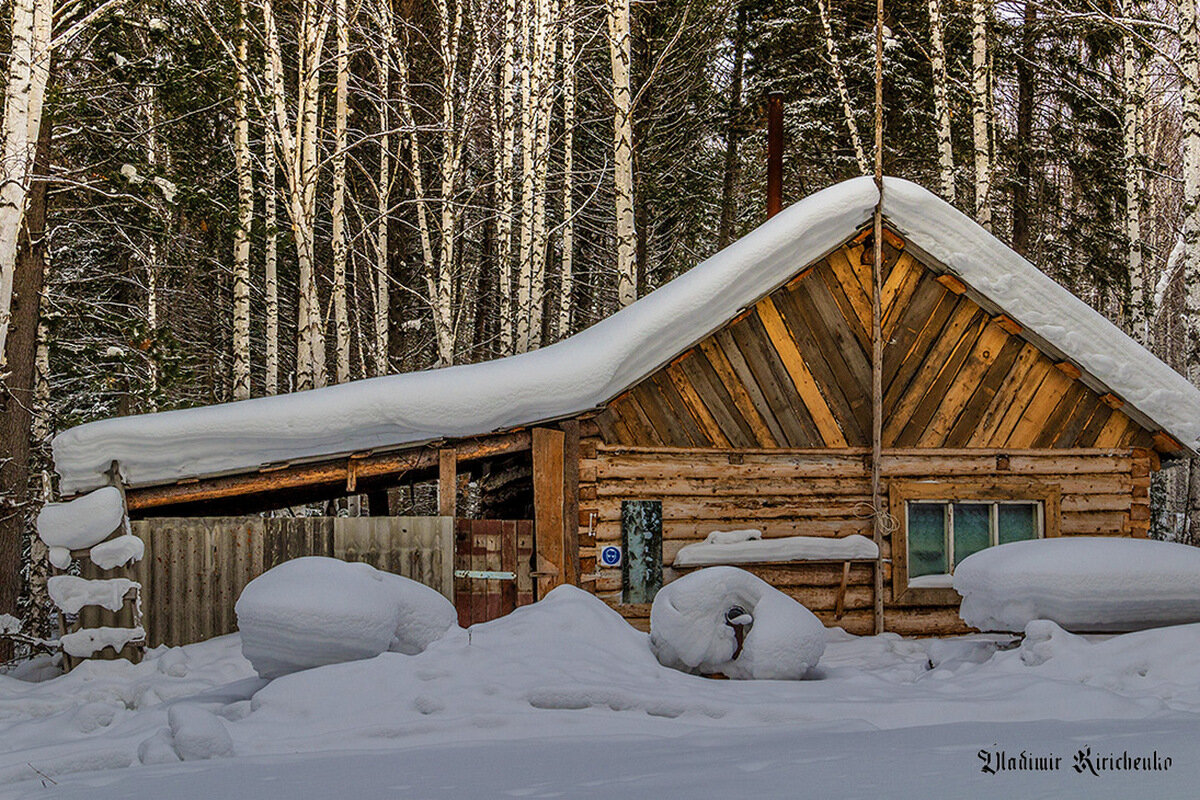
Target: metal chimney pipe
point(774, 154)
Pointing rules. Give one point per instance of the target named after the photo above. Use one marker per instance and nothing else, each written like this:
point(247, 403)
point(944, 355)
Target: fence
point(195, 568)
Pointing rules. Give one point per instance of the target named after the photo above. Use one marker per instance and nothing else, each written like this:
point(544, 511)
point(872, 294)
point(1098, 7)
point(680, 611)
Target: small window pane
point(927, 539)
point(1017, 521)
point(972, 529)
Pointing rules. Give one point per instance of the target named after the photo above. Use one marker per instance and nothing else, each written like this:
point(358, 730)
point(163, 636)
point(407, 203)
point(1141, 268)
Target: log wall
point(827, 493)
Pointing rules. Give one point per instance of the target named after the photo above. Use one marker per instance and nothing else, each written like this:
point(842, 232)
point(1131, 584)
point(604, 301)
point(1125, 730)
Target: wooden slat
point(802, 379)
point(973, 414)
point(1095, 424)
point(760, 409)
point(829, 288)
point(448, 482)
point(1019, 398)
point(699, 411)
point(986, 350)
point(549, 522)
point(1051, 391)
point(769, 373)
point(916, 332)
point(856, 293)
point(717, 400)
point(673, 403)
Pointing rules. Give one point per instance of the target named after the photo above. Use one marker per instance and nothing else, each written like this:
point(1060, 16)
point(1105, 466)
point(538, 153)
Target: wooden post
point(448, 482)
point(571, 500)
point(548, 520)
point(774, 154)
point(877, 330)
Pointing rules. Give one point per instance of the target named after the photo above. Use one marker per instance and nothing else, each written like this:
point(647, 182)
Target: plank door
point(491, 568)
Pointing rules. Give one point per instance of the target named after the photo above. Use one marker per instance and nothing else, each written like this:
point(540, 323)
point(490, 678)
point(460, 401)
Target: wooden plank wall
point(195, 568)
point(794, 372)
point(826, 493)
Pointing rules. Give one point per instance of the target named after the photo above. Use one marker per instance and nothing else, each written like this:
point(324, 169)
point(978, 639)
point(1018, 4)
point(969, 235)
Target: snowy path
point(781, 761)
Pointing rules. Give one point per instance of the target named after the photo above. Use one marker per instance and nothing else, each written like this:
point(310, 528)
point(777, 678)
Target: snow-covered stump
point(94, 529)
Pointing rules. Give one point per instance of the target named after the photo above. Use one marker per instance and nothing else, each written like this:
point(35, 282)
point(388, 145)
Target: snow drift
point(1082, 583)
point(314, 611)
point(723, 619)
point(83, 522)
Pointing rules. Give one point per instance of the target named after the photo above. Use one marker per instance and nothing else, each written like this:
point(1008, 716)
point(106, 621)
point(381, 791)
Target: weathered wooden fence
point(195, 568)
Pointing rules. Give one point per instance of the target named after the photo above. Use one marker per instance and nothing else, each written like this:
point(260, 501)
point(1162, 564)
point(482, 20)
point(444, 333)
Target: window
point(939, 523)
point(941, 533)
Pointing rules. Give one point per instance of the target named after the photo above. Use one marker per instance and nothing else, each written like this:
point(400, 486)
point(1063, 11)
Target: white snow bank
point(197, 734)
point(733, 537)
point(313, 611)
point(87, 642)
point(118, 551)
point(695, 622)
point(71, 594)
point(60, 557)
point(591, 367)
point(790, 548)
point(1083, 583)
point(84, 521)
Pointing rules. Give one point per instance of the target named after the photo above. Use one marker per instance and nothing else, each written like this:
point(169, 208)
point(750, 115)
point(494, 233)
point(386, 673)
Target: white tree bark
point(298, 152)
point(567, 267)
point(981, 110)
point(24, 96)
point(341, 319)
point(245, 216)
point(835, 66)
point(506, 125)
point(443, 297)
point(619, 55)
point(941, 102)
point(1133, 183)
point(383, 193)
point(271, 247)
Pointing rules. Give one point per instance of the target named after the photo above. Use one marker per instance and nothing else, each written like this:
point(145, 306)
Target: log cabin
point(738, 396)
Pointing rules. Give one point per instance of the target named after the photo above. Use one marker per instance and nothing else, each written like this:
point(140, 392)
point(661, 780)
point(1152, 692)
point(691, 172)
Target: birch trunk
point(24, 95)
point(619, 54)
point(941, 102)
point(241, 234)
point(270, 266)
point(1189, 60)
point(443, 298)
point(835, 66)
point(1133, 194)
point(382, 288)
point(528, 126)
point(546, 52)
point(341, 320)
point(567, 269)
point(980, 111)
point(506, 123)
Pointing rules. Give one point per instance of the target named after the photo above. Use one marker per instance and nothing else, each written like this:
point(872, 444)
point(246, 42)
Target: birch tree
point(295, 139)
point(835, 66)
point(341, 319)
point(981, 110)
point(270, 249)
point(245, 215)
point(1189, 62)
point(1131, 139)
point(941, 102)
point(24, 97)
point(383, 13)
point(567, 267)
point(620, 56)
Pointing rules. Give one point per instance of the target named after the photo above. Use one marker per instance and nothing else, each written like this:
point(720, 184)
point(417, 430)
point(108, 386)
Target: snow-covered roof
point(591, 367)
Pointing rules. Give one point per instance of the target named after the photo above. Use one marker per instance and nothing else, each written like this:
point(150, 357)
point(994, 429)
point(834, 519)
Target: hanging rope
point(882, 522)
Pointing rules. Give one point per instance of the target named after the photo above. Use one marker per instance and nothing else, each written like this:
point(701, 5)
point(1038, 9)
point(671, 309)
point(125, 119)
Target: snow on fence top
point(83, 522)
point(589, 368)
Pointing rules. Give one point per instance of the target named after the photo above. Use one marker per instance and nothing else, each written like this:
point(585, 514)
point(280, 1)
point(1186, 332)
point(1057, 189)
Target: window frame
point(992, 491)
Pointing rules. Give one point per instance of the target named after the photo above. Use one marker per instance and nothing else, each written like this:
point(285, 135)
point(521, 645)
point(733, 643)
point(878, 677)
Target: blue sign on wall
point(610, 556)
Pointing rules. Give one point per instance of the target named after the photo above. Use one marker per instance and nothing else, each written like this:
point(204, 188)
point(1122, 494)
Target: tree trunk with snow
point(341, 319)
point(567, 268)
point(835, 66)
point(1131, 140)
point(620, 56)
point(981, 111)
point(245, 216)
point(24, 97)
point(383, 193)
point(941, 102)
point(1190, 65)
point(271, 266)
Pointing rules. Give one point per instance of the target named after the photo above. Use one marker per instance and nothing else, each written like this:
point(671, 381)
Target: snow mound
point(118, 551)
point(314, 611)
point(83, 522)
point(733, 537)
point(71, 594)
point(732, 550)
point(87, 642)
point(696, 623)
point(1082, 583)
point(197, 733)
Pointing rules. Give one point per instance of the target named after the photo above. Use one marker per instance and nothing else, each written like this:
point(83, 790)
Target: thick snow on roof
point(591, 367)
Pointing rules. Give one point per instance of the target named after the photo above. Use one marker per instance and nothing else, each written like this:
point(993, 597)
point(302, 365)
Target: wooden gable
point(794, 372)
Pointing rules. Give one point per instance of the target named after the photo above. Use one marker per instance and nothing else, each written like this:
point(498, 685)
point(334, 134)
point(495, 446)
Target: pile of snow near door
point(745, 546)
point(314, 611)
point(1082, 583)
point(694, 626)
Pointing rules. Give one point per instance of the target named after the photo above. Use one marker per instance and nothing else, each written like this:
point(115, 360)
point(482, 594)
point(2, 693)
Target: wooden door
point(491, 568)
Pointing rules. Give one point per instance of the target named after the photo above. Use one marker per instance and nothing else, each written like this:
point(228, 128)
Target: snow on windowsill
point(931, 582)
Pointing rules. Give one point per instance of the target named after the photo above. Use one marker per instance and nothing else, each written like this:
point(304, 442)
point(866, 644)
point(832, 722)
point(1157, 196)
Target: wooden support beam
point(1070, 370)
point(548, 506)
point(571, 500)
point(324, 478)
point(892, 238)
point(1008, 323)
point(1112, 401)
point(952, 283)
point(448, 482)
point(1166, 443)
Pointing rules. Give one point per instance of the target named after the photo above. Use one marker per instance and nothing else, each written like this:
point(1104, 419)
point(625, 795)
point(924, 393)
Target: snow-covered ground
point(563, 698)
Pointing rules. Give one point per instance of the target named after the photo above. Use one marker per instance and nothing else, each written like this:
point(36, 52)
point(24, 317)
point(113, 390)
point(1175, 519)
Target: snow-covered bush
point(314, 611)
point(724, 619)
point(1083, 583)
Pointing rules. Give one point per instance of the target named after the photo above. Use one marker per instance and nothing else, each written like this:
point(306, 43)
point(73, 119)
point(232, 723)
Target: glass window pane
point(972, 529)
point(1017, 521)
point(927, 539)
